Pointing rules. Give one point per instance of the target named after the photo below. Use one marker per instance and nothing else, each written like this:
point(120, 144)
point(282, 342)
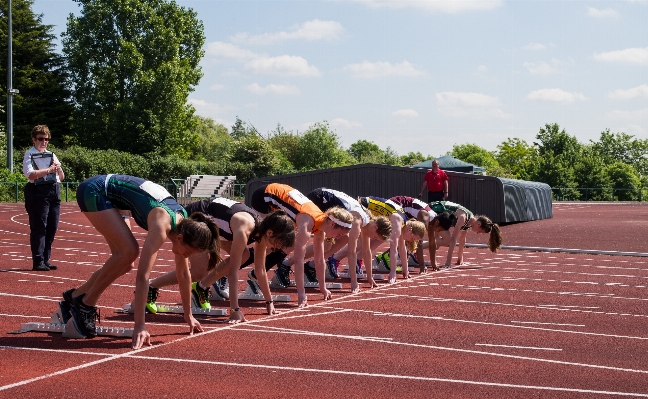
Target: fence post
point(16, 192)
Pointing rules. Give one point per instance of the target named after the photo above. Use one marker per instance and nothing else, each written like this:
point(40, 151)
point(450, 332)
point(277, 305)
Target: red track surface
point(515, 324)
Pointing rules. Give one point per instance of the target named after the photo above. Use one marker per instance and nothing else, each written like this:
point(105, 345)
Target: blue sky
point(421, 75)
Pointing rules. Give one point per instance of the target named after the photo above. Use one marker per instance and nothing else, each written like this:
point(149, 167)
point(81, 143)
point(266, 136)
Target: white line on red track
point(519, 347)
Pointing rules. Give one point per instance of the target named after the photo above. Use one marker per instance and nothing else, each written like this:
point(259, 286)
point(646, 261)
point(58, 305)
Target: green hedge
point(81, 163)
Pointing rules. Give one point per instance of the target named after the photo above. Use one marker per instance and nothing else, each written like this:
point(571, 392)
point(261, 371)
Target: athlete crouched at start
point(152, 207)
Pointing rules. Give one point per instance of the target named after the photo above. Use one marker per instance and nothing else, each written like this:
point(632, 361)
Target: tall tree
point(133, 64)
point(38, 73)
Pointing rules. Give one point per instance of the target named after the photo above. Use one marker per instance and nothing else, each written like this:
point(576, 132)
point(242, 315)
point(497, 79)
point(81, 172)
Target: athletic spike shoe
point(282, 275)
point(332, 268)
point(66, 305)
point(383, 259)
point(200, 296)
point(151, 298)
point(254, 283)
point(411, 260)
point(360, 266)
point(310, 275)
point(85, 317)
point(221, 288)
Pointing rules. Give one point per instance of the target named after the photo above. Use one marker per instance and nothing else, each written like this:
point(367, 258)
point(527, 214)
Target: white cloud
point(440, 6)
point(639, 114)
point(216, 86)
point(410, 113)
point(311, 30)
point(345, 124)
point(273, 88)
point(607, 13)
point(462, 99)
point(372, 70)
point(285, 65)
point(481, 70)
point(211, 110)
point(540, 69)
point(628, 56)
point(469, 105)
point(635, 92)
point(555, 95)
point(534, 47)
point(227, 50)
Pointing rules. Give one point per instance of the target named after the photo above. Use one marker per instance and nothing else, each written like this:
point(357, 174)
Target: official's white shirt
point(28, 168)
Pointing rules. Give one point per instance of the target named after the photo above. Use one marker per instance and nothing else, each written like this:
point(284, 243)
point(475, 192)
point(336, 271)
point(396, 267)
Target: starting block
point(345, 274)
point(70, 329)
point(253, 293)
point(177, 309)
point(333, 286)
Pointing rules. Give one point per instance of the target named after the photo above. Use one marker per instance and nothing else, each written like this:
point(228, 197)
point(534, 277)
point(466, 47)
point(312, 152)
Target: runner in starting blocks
point(69, 329)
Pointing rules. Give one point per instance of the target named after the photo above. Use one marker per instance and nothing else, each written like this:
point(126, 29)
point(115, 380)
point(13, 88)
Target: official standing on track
point(436, 182)
point(42, 197)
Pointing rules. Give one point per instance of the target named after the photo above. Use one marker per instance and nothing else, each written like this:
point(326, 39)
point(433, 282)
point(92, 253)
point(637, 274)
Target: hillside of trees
point(116, 102)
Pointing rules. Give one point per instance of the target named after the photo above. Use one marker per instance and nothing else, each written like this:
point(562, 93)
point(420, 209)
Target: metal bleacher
point(197, 187)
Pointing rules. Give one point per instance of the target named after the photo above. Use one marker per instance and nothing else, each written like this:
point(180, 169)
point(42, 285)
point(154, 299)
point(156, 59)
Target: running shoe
point(151, 298)
point(85, 317)
point(200, 296)
point(282, 275)
point(66, 305)
point(253, 283)
point(332, 268)
point(310, 275)
point(384, 259)
point(221, 288)
point(360, 266)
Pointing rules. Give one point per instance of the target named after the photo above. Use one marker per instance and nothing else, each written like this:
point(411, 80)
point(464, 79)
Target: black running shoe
point(66, 305)
point(282, 275)
point(42, 267)
point(310, 275)
point(85, 317)
point(51, 266)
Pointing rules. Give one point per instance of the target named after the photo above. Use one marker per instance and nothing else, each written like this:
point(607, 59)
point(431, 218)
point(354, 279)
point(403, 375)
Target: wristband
point(234, 310)
point(269, 302)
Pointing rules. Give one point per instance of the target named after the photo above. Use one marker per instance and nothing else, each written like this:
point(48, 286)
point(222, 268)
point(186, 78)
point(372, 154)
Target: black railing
point(599, 194)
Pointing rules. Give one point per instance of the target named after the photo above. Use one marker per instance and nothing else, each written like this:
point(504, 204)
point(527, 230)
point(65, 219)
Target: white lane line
point(548, 324)
point(520, 347)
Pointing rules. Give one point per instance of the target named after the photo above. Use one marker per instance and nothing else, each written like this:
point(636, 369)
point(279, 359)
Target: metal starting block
point(70, 329)
point(345, 274)
point(253, 293)
point(177, 309)
point(333, 286)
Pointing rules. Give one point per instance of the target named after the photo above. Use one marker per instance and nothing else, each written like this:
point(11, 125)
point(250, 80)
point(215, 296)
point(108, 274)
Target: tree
point(38, 73)
point(625, 148)
point(413, 158)
point(250, 157)
point(132, 64)
point(320, 148)
point(213, 141)
point(517, 156)
point(362, 150)
point(287, 144)
point(551, 140)
point(474, 154)
point(623, 176)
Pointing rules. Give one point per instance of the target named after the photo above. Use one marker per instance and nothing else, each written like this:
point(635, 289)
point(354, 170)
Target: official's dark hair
point(199, 231)
point(281, 225)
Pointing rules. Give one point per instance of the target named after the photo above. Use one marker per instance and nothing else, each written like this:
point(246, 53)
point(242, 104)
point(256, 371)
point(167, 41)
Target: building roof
point(450, 163)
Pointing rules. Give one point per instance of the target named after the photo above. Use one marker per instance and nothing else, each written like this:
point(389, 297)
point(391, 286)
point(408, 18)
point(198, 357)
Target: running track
point(515, 324)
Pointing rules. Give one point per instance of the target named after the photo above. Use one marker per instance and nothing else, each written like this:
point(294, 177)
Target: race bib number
point(225, 201)
point(156, 191)
point(299, 198)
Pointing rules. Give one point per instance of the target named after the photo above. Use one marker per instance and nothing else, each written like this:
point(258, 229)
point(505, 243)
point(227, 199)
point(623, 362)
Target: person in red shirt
point(436, 181)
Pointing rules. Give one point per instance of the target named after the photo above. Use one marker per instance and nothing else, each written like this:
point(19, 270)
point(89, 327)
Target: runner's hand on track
point(355, 288)
point(327, 294)
point(271, 309)
point(194, 326)
point(373, 283)
point(236, 317)
point(140, 337)
point(302, 300)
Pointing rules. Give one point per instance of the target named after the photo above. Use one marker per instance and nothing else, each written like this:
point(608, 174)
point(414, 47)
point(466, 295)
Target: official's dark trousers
point(43, 205)
point(435, 196)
